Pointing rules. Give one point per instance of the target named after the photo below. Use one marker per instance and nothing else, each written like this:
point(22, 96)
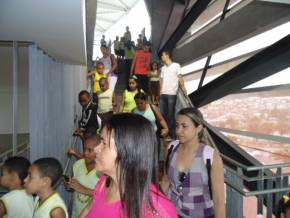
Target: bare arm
point(57, 213)
point(72, 152)
point(161, 84)
point(217, 184)
point(86, 210)
point(181, 82)
point(2, 209)
point(75, 185)
point(165, 130)
point(91, 73)
point(115, 64)
point(122, 103)
point(114, 102)
point(133, 64)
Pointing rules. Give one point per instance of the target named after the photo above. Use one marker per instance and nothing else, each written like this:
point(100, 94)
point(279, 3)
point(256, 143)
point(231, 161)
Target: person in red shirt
point(141, 66)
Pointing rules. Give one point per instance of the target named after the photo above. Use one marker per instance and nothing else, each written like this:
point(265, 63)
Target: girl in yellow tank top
point(128, 102)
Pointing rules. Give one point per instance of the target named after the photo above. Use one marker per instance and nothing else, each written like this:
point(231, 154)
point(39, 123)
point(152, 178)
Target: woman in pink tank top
point(128, 161)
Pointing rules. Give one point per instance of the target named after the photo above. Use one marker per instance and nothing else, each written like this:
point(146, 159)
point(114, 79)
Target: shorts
point(154, 88)
point(122, 52)
point(117, 52)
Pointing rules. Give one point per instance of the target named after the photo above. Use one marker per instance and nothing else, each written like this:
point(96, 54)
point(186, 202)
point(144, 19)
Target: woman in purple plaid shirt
point(195, 180)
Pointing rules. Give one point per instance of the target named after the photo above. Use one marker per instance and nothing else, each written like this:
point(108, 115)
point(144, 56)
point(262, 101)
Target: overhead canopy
point(110, 12)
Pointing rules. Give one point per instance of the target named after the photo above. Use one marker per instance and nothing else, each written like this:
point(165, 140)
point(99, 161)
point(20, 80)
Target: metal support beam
point(99, 27)
point(186, 22)
point(225, 10)
point(15, 98)
point(124, 4)
point(204, 71)
point(267, 62)
point(263, 16)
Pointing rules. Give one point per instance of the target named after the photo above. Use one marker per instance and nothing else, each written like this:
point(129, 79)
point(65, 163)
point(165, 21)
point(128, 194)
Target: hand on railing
point(185, 96)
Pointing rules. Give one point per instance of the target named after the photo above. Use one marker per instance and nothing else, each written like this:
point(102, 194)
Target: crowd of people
point(117, 172)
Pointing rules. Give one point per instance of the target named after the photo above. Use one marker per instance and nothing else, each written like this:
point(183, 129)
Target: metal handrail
point(258, 192)
point(257, 178)
point(254, 168)
point(70, 157)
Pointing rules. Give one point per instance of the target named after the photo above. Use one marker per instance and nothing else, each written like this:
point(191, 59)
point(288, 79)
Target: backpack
point(207, 154)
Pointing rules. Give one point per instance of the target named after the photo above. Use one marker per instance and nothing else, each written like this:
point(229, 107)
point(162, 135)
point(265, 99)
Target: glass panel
point(265, 151)
point(264, 112)
point(192, 80)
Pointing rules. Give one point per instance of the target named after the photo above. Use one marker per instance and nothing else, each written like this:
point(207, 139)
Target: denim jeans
point(167, 107)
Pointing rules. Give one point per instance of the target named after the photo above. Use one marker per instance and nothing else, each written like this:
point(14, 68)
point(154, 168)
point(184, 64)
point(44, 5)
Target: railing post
point(269, 199)
point(260, 187)
point(278, 184)
point(234, 198)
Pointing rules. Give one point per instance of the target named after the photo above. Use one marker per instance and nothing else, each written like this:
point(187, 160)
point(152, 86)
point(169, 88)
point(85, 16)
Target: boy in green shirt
point(85, 176)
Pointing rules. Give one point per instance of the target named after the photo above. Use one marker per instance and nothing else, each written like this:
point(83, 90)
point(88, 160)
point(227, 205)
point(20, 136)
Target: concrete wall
point(53, 104)
point(6, 87)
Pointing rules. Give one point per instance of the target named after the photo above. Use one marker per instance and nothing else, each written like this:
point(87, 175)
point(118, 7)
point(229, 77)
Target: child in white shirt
point(16, 203)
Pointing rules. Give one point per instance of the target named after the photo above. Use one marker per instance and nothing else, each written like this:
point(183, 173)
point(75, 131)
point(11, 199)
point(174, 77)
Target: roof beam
point(99, 18)
point(124, 4)
point(99, 27)
point(186, 22)
point(267, 62)
point(217, 36)
point(110, 6)
point(108, 12)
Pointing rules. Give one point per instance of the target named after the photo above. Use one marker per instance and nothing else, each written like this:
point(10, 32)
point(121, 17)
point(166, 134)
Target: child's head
point(133, 83)
point(84, 98)
point(90, 131)
point(104, 84)
point(44, 173)
point(283, 207)
point(90, 143)
point(14, 171)
point(104, 49)
point(154, 65)
point(100, 67)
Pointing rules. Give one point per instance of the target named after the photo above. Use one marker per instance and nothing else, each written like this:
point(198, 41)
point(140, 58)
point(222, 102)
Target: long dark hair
point(136, 146)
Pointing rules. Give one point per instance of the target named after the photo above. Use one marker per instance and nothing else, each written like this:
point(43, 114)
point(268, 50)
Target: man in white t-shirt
point(171, 77)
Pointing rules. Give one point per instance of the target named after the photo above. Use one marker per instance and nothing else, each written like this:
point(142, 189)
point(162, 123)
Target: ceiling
point(57, 27)
point(109, 12)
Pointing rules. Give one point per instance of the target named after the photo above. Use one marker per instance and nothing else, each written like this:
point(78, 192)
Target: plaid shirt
point(189, 190)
